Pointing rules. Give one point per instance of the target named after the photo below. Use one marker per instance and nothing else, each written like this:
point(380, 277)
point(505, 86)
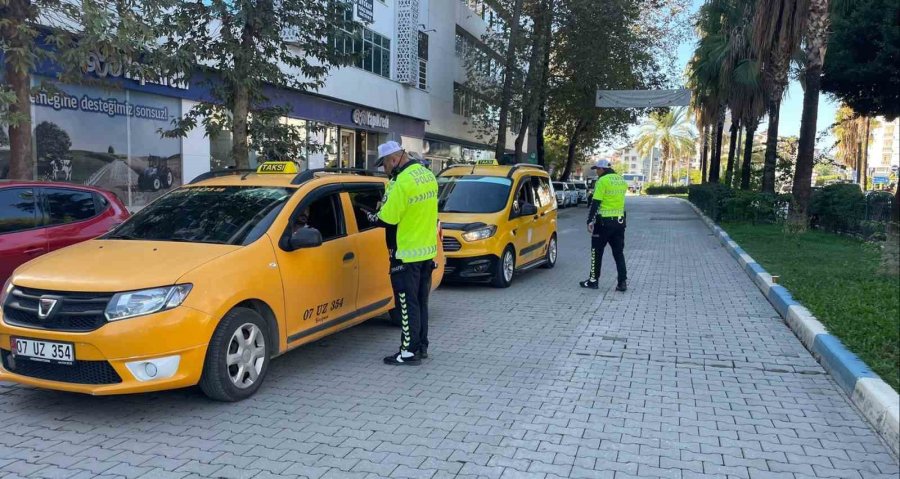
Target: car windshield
point(472, 194)
point(559, 186)
point(232, 215)
point(580, 186)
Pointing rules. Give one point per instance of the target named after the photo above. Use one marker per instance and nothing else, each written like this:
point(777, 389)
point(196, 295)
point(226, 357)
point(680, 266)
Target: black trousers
point(608, 231)
point(412, 286)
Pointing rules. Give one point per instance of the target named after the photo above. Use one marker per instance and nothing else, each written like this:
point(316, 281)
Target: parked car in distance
point(581, 189)
point(563, 194)
point(39, 217)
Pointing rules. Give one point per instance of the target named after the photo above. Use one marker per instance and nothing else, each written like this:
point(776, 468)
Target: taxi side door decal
point(339, 320)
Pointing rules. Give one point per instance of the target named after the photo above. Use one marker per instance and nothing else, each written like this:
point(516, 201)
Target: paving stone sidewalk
point(691, 373)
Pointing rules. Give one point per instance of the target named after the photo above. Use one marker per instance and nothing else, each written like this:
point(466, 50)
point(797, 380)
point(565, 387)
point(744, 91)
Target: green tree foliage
point(861, 64)
point(64, 33)
point(598, 46)
point(254, 46)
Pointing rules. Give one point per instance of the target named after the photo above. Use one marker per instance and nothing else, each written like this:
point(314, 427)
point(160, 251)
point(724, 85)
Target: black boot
point(423, 352)
point(589, 284)
point(622, 286)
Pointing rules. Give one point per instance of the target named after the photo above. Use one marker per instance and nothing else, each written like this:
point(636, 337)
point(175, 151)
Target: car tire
point(226, 382)
point(503, 274)
point(552, 253)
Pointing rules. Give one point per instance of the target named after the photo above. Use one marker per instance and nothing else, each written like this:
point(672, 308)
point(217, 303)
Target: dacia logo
point(46, 306)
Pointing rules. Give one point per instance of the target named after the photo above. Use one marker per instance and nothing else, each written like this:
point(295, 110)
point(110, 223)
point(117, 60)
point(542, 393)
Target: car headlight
point(146, 301)
point(484, 232)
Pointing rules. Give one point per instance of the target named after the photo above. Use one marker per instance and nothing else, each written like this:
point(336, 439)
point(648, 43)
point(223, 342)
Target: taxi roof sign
point(491, 162)
point(278, 167)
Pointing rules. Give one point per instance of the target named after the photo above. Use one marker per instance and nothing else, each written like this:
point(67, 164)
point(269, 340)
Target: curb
point(876, 399)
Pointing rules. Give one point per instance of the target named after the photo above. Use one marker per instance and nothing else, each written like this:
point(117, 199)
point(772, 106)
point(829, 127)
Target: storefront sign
point(365, 10)
point(96, 63)
point(108, 106)
point(371, 119)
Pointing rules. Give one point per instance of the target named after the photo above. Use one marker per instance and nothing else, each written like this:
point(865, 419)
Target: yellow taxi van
point(497, 221)
point(203, 286)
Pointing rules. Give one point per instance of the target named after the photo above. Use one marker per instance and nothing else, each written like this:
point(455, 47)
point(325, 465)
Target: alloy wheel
point(246, 355)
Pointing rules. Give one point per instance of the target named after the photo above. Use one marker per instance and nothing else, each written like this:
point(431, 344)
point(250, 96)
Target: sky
point(791, 106)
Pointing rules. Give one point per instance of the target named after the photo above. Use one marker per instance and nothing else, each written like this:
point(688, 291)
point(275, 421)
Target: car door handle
point(349, 257)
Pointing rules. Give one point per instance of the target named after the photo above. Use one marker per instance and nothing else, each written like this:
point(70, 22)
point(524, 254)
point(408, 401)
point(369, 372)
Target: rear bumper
point(474, 268)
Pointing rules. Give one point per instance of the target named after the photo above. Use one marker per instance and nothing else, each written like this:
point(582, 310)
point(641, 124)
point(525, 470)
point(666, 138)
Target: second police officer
point(606, 224)
point(409, 212)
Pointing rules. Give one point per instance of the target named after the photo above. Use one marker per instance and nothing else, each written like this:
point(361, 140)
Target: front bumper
point(102, 355)
point(474, 268)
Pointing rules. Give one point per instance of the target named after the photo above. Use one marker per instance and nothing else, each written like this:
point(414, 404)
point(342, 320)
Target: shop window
point(68, 206)
point(18, 210)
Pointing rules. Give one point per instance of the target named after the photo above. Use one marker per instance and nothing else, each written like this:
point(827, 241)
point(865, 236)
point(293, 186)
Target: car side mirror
point(529, 209)
point(305, 238)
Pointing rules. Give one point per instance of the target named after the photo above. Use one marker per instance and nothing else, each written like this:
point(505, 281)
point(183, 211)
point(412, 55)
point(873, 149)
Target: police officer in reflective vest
point(606, 223)
point(409, 211)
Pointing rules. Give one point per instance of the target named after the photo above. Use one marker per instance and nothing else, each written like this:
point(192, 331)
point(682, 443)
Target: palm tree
point(814, 45)
point(672, 133)
point(778, 26)
point(706, 74)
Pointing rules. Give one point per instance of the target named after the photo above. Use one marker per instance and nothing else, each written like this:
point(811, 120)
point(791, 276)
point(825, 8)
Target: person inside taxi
point(409, 212)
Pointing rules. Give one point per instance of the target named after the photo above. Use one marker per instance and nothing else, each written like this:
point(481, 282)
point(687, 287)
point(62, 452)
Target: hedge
point(665, 190)
point(839, 208)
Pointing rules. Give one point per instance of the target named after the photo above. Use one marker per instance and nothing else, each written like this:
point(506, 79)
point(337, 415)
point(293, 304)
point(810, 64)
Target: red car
point(39, 217)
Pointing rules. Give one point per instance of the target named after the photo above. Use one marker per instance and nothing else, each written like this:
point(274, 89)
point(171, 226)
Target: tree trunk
point(535, 79)
point(539, 137)
point(865, 157)
point(509, 67)
point(16, 71)
point(816, 42)
point(542, 98)
point(732, 149)
point(715, 162)
point(746, 165)
point(573, 148)
point(768, 179)
point(858, 163)
point(705, 158)
point(240, 109)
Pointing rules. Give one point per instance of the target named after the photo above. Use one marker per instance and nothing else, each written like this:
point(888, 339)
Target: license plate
point(44, 351)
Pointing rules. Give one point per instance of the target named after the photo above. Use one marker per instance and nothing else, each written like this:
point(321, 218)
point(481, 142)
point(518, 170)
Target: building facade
point(401, 88)
point(884, 152)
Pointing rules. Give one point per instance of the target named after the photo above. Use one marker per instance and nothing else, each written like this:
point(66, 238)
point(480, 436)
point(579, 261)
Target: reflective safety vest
point(610, 191)
point(411, 204)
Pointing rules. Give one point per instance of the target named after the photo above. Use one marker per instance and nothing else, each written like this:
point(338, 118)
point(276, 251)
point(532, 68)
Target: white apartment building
point(884, 148)
point(636, 164)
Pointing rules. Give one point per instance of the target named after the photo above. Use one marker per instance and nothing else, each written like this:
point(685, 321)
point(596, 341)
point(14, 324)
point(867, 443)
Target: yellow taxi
point(203, 286)
point(497, 221)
